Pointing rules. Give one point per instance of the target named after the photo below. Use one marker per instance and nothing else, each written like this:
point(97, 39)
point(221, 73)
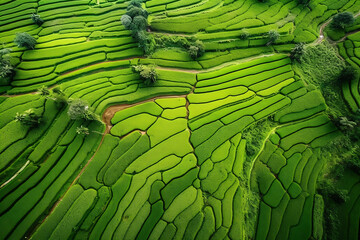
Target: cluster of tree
point(342, 20)
point(147, 73)
point(348, 74)
point(244, 34)
point(6, 68)
point(135, 19)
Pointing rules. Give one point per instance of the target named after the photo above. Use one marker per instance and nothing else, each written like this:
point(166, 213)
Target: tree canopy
point(342, 20)
point(25, 40)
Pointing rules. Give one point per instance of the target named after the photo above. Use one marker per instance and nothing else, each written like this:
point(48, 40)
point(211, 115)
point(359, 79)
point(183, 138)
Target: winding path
point(321, 33)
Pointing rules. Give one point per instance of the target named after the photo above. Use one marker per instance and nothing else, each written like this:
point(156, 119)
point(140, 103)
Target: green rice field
point(243, 141)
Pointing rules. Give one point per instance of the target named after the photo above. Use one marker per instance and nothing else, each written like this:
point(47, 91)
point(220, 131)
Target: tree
point(29, 118)
point(342, 20)
point(79, 109)
point(136, 3)
point(59, 97)
point(6, 68)
point(272, 36)
point(193, 52)
point(25, 40)
point(139, 23)
point(134, 11)
point(82, 130)
point(126, 20)
point(196, 49)
point(297, 51)
point(44, 91)
point(147, 73)
point(348, 74)
point(36, 19)
point(346, 124)
point(244, 34)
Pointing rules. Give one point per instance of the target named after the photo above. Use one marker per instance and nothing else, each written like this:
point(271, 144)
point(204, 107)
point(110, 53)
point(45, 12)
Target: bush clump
point(25, 40)
point(342, 20)
point(37, 19)
point(28, 118)
point(272, 37)
point(147, 73)
point(6, 68)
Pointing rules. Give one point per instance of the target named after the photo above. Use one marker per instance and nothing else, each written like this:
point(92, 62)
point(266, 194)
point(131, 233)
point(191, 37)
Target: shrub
point(342, 20)
point(147, 73)
point(36, 19)
point(82, 130)
point(44, 91)
point(297, 51)
point(244, 34)
point(272, 36)
point(29, 118)
point(25, 40)
point(348, 74)
point(79, 109)
point(6, 68)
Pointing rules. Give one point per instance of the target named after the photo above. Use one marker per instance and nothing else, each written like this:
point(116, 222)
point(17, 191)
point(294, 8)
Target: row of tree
point(78, 109)
point(135, 19)
point(7, 70)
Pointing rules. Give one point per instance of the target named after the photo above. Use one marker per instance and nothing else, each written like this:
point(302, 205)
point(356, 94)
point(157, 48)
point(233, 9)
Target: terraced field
point(226, 146)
